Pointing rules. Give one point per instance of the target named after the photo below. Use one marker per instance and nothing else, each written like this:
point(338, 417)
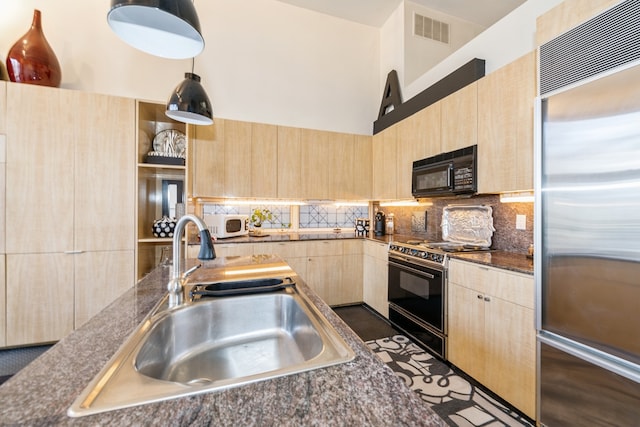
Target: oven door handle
point(413, 270)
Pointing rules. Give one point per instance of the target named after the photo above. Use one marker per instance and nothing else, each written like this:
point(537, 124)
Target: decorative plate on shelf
point(169, 148)
point(171, 143)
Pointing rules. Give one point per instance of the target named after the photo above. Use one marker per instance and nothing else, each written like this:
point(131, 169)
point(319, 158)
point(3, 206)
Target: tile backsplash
point(425, 221)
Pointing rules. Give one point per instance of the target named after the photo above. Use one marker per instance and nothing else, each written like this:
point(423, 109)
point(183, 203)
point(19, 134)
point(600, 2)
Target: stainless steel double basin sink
point(213, 344)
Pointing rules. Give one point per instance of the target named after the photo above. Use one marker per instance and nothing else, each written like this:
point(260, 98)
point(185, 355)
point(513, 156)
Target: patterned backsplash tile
point(331, 216)
point(311, 216)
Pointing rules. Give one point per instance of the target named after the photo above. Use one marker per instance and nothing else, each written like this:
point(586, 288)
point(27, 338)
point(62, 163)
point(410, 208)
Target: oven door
point(418, 290)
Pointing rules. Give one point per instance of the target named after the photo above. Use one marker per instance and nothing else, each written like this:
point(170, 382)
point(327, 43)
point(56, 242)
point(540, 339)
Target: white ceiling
point(376, 12)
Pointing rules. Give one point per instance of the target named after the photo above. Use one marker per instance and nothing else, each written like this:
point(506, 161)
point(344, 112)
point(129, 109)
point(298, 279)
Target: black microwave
point(446, 174)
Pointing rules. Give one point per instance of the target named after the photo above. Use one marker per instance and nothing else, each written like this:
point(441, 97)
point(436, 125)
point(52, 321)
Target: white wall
point(502, 43)
point(422, 54)
point(264, 60)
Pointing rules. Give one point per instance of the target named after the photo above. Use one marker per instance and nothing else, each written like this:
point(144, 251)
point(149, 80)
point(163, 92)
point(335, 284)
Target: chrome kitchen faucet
point(207, 252)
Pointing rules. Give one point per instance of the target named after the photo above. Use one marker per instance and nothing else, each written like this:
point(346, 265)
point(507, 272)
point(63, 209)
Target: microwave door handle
point(449, 175)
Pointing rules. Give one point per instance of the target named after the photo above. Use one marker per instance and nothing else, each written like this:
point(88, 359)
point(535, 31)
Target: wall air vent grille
point(606, 41)
point(429, 28)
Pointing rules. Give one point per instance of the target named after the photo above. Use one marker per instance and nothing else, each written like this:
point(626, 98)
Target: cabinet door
point(466, 341)
point(316, 163)
point(100, 278)
point(351, 289)
point(324, 276)
point(264, 160)
point(340, 162)
point(460, 118)
point(505, 127)
point(233, 249)
point(3, 107)
point(385, 164)
point(104, 173)
point(208, 171)
point(375, 276)
point(511, 340)
point(39, 298)
point(293, 253)
point(41, 130)
point(290, 176)
point(362, 172)
point(3, 191)
point(418, 137)
point(237, 159)
point(3, 302)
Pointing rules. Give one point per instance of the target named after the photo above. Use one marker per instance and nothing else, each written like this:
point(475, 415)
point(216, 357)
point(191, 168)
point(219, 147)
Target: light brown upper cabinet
point(316, 163)
point(327, 164)
point(264, 160)
point(3, 157)
point(206, 160)
point(460, 118)
point(290, 173)
point(505, 127)
point(418, 136)
point(385, 163)
point(3, 107)
point(362, 172)
point(237, 159)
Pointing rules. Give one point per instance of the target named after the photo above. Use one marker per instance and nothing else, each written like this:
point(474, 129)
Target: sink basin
point(212, 344)
point(213, 341)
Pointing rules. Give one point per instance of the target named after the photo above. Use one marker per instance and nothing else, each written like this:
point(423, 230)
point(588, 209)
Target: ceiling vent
point(429, 28)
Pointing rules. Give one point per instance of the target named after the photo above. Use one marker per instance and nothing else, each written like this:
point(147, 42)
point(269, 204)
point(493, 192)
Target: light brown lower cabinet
point(3, 303)
point(50, 295)
point(39, 297)
point(491, 333)
point(332, 268)
point(375, 271)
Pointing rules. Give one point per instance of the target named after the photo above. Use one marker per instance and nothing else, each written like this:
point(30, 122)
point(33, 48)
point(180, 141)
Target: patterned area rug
point(451, 396)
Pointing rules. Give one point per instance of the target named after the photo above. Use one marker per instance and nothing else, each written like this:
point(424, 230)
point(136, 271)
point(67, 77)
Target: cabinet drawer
point(284, 250)
point(324, 248)
point(352, 247)
point(509, 286)
point(377, 250)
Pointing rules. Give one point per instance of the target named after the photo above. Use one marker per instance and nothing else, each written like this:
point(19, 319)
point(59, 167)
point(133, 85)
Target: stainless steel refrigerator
point(587, 258)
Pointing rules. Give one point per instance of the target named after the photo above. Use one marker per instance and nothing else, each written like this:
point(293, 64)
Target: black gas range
point(418, 290)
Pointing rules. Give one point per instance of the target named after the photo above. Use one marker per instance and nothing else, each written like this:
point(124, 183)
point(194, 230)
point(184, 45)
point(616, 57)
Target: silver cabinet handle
point(479, 296)
point(73, 252)
point(487, 299)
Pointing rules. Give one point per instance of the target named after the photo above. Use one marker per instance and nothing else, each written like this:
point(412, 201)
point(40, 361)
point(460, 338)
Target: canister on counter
point(389, 228)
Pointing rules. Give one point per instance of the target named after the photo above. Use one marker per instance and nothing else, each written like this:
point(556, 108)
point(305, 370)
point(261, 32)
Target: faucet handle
point(206, 246)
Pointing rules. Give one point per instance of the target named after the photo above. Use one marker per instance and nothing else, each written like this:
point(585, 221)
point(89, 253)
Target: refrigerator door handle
point(599, 358)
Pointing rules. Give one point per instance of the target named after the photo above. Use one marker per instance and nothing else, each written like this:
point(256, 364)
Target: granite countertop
point(512, 261)
point(363, 391)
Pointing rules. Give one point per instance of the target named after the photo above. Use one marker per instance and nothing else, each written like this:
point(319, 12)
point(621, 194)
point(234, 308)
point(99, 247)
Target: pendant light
point(165, 28)
point(189, 102)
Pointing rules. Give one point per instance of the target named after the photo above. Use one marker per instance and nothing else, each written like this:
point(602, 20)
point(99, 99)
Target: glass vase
point(31, 59)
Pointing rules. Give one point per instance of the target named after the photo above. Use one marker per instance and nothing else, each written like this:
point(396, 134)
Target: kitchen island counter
point(363, 391)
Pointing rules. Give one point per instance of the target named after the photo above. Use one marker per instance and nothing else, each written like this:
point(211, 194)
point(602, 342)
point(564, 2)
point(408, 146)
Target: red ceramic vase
point(31, 59)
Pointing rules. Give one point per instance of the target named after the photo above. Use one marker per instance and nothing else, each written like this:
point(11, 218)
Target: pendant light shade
point(189, 102)
point(165, 28)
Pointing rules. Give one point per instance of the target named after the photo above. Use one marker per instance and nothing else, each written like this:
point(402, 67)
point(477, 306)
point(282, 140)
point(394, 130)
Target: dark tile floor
point(366, 323)
point(369, 325)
